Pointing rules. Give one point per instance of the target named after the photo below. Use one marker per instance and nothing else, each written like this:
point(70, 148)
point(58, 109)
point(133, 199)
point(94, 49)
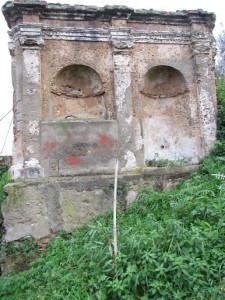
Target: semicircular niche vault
point(164, 82)
point(167, 122)
point(78, 81)
point(77, 93)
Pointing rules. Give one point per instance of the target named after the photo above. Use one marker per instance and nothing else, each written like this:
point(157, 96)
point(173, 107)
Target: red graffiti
point(73, 161)
point(49, 146)
point(104, 139)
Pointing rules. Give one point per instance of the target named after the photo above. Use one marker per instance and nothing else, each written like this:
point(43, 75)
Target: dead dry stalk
point(114, 212)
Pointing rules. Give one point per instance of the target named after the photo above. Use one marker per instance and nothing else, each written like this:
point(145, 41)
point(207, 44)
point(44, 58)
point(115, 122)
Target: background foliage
point(219, 149)
point(3, 180)
point(221, 53)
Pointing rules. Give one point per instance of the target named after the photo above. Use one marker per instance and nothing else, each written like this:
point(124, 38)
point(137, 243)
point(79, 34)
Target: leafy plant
point(165, 163)
point(121, 193)
point(171, 246)
point(4, 178)
point(3, 167)
point(20, 254)
point(219, 149)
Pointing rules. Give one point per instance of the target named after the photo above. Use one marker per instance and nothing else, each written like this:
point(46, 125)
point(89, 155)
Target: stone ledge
point(42, 208)
point(173, 171)
point(14, 10)
point(99, 180)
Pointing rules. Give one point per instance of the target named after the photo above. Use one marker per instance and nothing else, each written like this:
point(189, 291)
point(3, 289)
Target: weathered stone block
point(79, 147)
point(46, 207)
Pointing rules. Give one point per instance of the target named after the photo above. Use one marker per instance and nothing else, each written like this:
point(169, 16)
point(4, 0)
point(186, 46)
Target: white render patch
point(122, 78)
point(139, 141)
point(131, 161)
point(167, 142)
point(207, 117)
point(129, 120)
point(15, 170)
point(30, 149)
point(206, 70)
point(33, 162)
point(33, 127)
point(31, 64)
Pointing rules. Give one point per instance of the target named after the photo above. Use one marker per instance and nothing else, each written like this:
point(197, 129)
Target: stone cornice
point(15, 10)
point(34, 35)
point(28, 35)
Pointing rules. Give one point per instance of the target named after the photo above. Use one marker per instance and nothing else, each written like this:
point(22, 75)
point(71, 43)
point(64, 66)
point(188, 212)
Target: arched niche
point(167, 121)
point(164, 82)
point(77, 92)
point(78, 81)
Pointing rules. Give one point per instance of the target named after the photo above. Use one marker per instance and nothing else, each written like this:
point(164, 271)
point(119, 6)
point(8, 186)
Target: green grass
point(165, 163)
point(171, 246)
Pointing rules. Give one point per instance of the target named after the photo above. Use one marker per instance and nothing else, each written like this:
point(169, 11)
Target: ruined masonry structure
point(92, 84)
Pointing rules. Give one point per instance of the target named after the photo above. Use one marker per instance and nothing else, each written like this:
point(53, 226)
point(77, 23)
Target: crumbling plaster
point(56, 55)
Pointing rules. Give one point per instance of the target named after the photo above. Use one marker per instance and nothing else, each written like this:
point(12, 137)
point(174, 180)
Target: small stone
point(131, 196)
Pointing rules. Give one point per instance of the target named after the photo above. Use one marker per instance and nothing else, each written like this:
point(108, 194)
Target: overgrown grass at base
point(171, 246)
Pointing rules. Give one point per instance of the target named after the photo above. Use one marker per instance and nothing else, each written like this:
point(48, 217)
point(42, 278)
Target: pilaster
point(205, 84)
point(122, 44)
point(27, 102)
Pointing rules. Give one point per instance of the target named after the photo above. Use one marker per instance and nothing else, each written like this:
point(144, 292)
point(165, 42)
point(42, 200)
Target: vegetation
point(3, 180)
point(4, 166)
point(220, 66)
point(165, 163)
point(171, 246)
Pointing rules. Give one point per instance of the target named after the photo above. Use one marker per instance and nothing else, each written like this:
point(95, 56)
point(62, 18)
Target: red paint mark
point(49, 146)
point(104, 139)
point(73, 161)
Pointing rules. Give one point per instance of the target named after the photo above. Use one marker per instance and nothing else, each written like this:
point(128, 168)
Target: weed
point(121, 193)
point(4, 178)
point(171, 247)
point(165, 163)
point(20, 254)
point(219, 148)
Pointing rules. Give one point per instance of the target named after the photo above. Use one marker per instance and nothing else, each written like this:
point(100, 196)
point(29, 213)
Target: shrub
point(219, 149)
point(4, 177)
